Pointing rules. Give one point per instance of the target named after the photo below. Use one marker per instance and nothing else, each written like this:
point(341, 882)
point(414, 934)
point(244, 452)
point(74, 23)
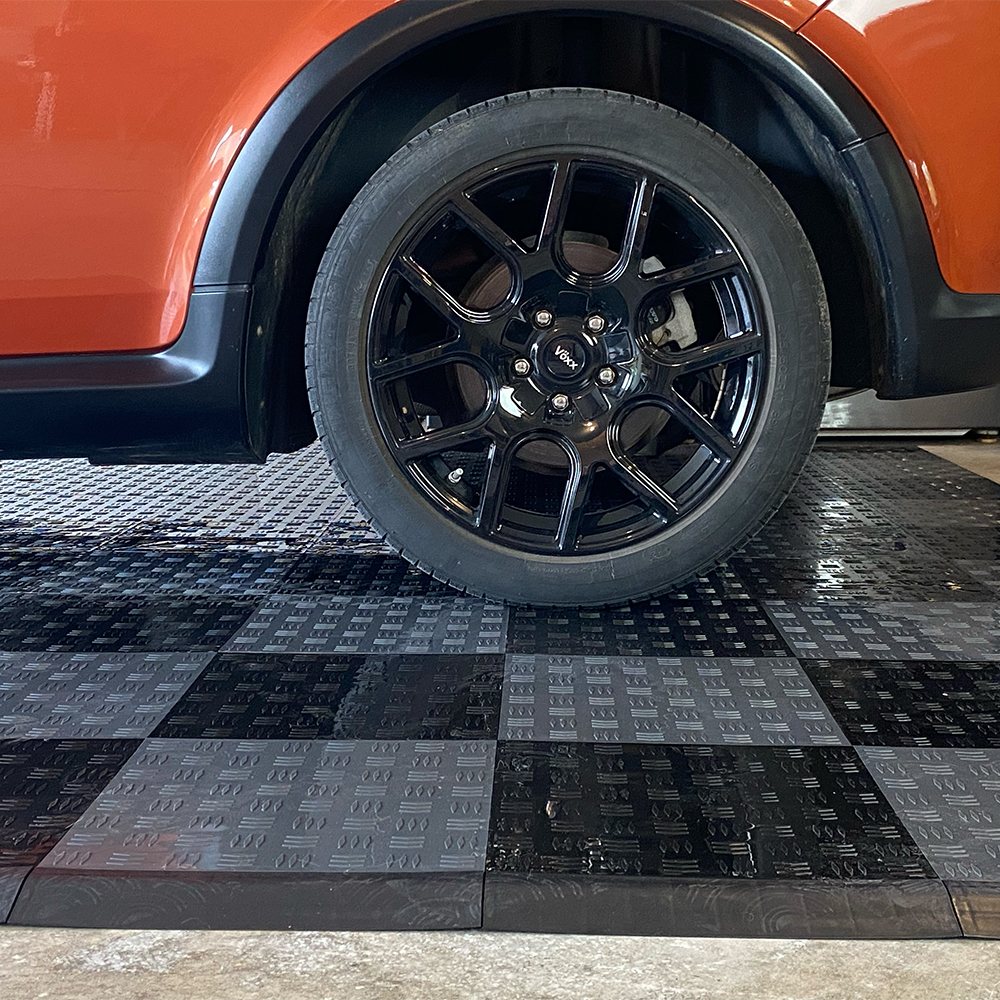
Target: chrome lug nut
point(559, 402)
point(543, 318)
point(595, 323)
point(606, 376)
point(522, 366)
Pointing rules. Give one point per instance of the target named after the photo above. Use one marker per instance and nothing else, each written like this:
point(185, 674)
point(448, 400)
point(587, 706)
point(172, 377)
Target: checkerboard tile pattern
point(250, 712)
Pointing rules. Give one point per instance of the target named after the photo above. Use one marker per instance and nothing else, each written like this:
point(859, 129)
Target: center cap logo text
point(566, 358)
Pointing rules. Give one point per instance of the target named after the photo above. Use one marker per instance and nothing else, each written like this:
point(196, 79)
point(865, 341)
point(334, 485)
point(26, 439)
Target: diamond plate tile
point(127, 572)
point(912, 703)
point(315, 696)
point(365, 575)
point(324, 623)
point(860, 578)
point(48, 696)
point(597, 699)
point(290, 500)
point(659, 627)
point(949, 800)
point(45, 786)
point(931, 631)
point(61, 624)
point(273, 805)
point(985, 572)
point(744, 812)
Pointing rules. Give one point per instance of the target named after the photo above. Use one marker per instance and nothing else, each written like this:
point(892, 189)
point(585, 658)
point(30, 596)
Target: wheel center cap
point(565, 358)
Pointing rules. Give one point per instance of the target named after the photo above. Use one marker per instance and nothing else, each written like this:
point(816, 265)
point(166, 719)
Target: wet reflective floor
point(224, 703)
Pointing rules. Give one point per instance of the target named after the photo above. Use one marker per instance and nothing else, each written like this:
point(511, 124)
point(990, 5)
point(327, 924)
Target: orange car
point(562, 285)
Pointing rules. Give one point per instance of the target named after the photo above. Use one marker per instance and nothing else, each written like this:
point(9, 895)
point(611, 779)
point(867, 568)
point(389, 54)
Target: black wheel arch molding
point(199, 399)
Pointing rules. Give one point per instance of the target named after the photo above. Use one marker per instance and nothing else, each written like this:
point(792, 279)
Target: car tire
point(568, 347)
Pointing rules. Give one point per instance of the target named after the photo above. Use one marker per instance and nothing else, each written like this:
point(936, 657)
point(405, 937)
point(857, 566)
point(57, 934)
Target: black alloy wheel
point(550, 339)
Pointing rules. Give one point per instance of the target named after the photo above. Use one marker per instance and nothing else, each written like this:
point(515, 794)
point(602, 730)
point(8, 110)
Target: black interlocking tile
point(860, 577)
point(790, 540)
point(364, 575)
point(322, 697)
point(46, 785)
point(960, 542)
point(69, 624)
point(734, 812)
point(910, 703)
point(658, 627)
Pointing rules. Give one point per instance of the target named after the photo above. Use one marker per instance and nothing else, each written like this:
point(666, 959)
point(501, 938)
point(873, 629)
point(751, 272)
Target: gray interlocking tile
point(889, 631)
point(949, 800)
point(274, 805)
point(47, 696)
point(128, 572)
point(290, 500)
point(718, 700)
point(327, 623)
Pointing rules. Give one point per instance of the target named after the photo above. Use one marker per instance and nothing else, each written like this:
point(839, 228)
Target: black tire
point(780, 282)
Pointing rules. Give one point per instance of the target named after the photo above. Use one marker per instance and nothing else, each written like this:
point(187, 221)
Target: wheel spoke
point(658, 500)
point(638, 223)
point(428, 289)
point(494, 488)
point(445, 439)
point(574, 503)
point(452, 351)
point(481, 224)
point(697, 359)
point(555, 209)
point(710, 267)
point(700, 426)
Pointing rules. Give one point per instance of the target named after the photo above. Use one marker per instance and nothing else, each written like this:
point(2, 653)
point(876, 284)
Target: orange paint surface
point(791, 13)
point(931, 69)
point(118, 122)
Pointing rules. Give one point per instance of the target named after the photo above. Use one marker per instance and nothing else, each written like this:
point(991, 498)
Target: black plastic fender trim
point(182, 404)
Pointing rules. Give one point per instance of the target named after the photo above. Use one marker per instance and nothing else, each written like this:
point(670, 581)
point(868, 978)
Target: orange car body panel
point(931, 69)
point(118, 122)
point(791, 13)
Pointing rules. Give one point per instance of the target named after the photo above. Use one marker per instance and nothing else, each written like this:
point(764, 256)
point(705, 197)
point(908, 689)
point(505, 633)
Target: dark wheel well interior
point(616, 53)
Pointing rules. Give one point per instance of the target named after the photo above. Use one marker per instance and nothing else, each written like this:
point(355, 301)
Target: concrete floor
point(189, 965)
point(192, 965)
point(976, 456)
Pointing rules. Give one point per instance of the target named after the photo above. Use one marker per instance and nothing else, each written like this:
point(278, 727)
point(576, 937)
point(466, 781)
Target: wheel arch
point(767, 90)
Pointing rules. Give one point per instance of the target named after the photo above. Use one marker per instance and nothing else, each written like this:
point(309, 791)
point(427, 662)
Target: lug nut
point(522, 366)
point(543, 317)
point(559, 402)
point(595, 323)
point(606, 376)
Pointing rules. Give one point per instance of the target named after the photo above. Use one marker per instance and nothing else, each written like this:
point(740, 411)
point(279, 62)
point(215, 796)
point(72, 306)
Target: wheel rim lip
point(758, 369)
